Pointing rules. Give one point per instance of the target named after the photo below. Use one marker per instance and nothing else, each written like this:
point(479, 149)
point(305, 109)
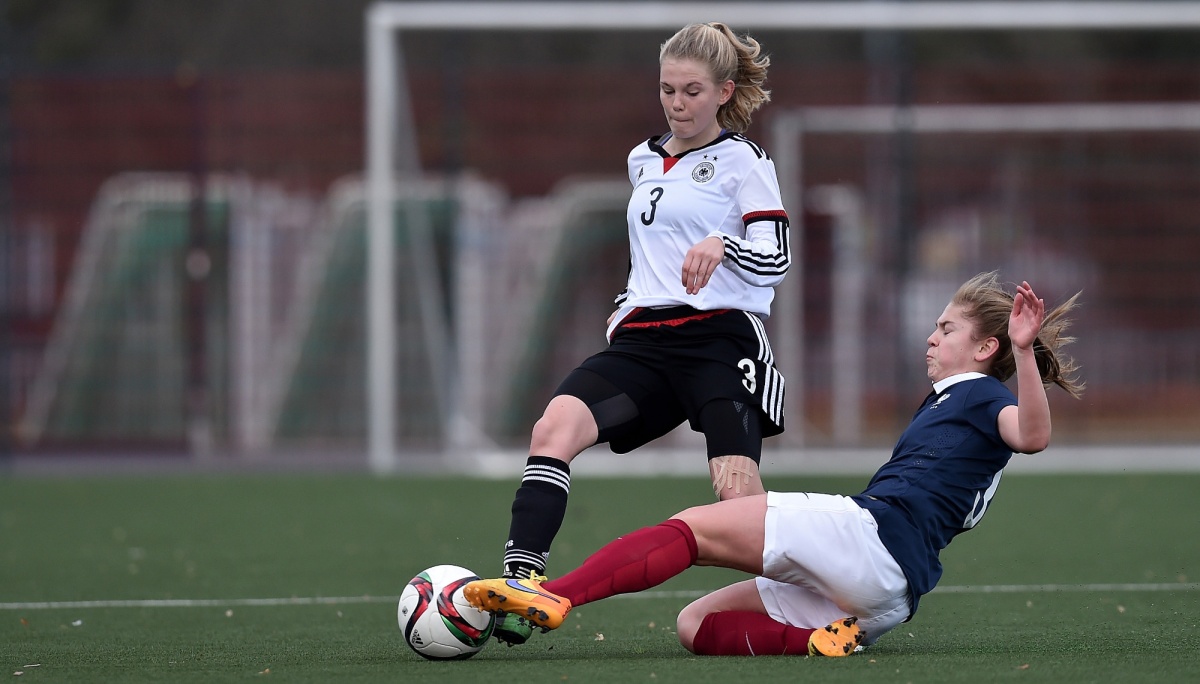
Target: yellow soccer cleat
point(837, 639)
point(523, 597)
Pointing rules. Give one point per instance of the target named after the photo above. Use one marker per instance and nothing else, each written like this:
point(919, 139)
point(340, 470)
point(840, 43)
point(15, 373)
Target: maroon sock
point(742, 632)
point(639, 560)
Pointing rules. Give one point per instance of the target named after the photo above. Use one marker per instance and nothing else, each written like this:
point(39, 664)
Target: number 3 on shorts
point(749, 382)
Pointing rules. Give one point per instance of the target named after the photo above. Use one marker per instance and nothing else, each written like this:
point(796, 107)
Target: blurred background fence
point(184, 246)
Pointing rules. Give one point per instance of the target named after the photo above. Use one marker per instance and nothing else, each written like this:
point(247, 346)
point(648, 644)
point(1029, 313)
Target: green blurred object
point(124, 371)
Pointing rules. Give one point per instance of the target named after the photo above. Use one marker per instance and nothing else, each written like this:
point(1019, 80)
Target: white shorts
point(823, 560)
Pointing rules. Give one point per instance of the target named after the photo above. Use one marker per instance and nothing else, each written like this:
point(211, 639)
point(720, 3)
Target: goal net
point(917, 143)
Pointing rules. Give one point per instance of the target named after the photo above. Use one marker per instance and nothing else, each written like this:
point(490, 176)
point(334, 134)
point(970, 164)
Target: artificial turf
point(1069, 578)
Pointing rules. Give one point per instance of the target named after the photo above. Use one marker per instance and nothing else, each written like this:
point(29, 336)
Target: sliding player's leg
point(745, 534)
point(734, 621)
point(823, 560)
point(639, 560)
point(728, 534)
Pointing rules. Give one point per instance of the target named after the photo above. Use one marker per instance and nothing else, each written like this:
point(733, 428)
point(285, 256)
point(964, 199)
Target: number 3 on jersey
point(750, 382)
point(655, 195)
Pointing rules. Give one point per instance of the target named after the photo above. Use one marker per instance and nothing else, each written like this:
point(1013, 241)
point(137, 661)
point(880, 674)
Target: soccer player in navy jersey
point(835, 572)
point(708, 243)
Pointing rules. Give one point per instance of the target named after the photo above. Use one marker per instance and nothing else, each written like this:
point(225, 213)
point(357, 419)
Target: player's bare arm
point(701, 261)
point(1026, 426)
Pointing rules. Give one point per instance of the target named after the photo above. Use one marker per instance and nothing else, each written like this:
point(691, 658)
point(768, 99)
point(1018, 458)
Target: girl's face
point(690, 100)
point(952, 348)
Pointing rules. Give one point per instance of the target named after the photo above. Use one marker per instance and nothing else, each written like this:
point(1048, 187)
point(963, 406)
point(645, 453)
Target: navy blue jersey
point(942, 475)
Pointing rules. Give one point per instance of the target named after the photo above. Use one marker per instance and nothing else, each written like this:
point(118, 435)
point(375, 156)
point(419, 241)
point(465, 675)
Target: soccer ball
point(437, 622)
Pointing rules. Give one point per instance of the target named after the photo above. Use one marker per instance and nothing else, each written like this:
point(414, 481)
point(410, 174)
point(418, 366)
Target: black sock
point(537, 513)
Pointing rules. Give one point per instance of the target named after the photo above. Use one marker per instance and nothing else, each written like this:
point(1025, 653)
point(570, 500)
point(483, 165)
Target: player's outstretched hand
point(1025, 321)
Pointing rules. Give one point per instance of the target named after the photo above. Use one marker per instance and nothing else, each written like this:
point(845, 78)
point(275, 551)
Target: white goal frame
point(848, 293)
point(391, 150)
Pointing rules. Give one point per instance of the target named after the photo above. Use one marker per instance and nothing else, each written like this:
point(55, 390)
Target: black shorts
point(670, 364)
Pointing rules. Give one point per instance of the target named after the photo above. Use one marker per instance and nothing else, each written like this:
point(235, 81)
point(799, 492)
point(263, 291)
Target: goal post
point(391, 149)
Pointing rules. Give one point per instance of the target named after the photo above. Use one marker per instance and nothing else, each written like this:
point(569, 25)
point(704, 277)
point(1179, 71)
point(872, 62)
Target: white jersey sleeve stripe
point(763, 257)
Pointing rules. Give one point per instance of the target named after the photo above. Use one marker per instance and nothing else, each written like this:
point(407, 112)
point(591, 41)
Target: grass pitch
point(1080, 578)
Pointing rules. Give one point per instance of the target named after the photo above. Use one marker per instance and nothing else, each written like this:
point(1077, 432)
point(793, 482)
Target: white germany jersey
point(726, 189)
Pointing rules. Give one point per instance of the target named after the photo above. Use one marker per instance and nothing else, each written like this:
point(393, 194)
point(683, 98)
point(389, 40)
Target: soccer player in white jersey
point(835, 572)
point(708, 239)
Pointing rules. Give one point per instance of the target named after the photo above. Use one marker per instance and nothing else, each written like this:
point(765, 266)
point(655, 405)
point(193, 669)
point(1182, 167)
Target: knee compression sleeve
point(732, 428)
point(611, 408)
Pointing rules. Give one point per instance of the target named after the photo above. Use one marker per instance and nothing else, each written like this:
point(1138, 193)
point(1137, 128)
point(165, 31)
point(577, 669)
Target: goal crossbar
point(391, 150)
point(817, 16)
point(1032, 118)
